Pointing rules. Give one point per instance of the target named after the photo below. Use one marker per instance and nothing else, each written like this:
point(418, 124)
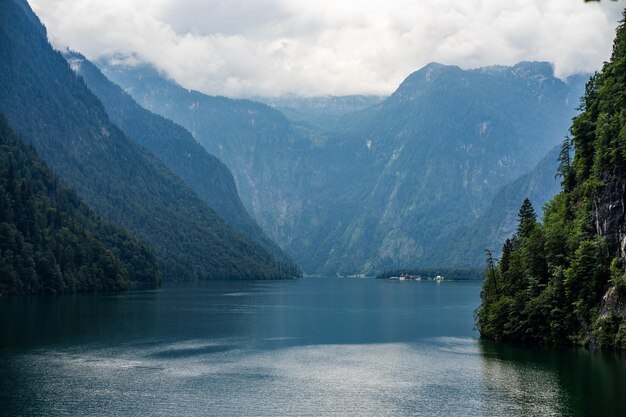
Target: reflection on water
point(520, 387)
point(310, 347)
point(563, 381)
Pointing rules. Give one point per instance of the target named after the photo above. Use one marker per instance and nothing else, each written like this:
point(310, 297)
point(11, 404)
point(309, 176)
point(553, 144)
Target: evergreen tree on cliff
point(527, 218)
point(562, 281)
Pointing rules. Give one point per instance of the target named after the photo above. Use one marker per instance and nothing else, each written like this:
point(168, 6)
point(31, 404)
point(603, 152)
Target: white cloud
point(274, 47)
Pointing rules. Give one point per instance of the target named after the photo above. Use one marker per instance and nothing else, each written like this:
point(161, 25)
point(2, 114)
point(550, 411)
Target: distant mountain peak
point(429, 71)
point(532, 69)
point(422, 78)
point(523, 69)
point(434, 73)
point(130, 64)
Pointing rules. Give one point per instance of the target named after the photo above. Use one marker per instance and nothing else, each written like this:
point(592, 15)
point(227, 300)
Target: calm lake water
point(312, 347)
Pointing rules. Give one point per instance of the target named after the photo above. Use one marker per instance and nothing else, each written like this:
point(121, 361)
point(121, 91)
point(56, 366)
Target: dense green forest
point(52, 109)
point(562, 281)
point(52, 242)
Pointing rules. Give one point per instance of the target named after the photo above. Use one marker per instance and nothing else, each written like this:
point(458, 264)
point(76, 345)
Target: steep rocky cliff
point(609, 215)
point(609, 212)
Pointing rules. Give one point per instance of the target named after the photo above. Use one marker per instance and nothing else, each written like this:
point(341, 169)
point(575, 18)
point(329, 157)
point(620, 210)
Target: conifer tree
point(527, 219)
point(564, 169)
point(507, 250)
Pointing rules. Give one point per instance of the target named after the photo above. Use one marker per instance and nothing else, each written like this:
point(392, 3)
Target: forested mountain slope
point(393, 185)
point(207, 176)
point(279, 170)
point(562, 281)
point(50, 241)
point(51, 108)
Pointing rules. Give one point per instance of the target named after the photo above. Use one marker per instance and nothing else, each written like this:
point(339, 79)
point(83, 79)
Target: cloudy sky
point(275, 47)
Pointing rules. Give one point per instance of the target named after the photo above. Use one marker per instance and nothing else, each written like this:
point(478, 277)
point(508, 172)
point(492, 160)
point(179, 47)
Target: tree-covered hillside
point(206, 175)
point(562, 281)
point(52, 109)
point(50, 241)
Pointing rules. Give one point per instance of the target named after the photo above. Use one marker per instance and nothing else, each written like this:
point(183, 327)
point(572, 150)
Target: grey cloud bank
point(274, 47)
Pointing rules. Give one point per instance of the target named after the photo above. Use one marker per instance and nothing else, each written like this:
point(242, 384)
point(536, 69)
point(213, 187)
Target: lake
point(311, 347)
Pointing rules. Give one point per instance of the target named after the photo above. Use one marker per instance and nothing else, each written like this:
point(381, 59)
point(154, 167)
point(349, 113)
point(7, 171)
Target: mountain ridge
point(54, 111)
point(355, 198)
point(207, 176)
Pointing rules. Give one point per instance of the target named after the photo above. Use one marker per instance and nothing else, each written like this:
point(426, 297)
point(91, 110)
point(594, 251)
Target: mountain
point(563, 281)
point(499, 220)
point(50, 241)
point(390, 186)
point(272, 160)
point(440, 147)
point(206, 175)
point(52, 109)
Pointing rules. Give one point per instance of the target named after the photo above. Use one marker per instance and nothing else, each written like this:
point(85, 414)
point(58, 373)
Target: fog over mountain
point(274, 47)
point(348, 164)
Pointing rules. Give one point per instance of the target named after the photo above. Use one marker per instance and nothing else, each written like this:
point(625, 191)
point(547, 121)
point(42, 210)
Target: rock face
point(609, 215)
point(609, 212)
point(610, 329)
